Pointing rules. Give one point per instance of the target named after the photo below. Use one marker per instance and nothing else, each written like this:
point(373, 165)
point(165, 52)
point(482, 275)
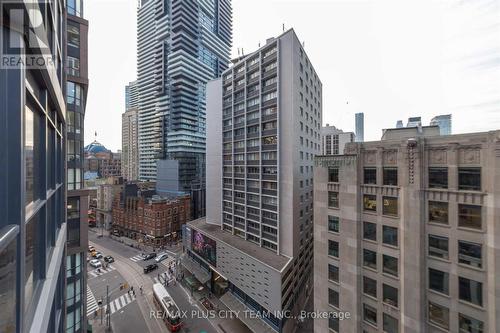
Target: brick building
point(144, 216)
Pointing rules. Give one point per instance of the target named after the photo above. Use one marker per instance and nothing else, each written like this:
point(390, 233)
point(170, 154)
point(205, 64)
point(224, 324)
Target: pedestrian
point(140, 289)
point(133, 292)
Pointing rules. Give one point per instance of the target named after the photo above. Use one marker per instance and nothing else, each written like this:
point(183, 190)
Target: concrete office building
point(406, 234)
point(255, 244)
point(33, 228)
point(333, 140)
point(105, 195)
point(130, 144)
point(444, 123)
point(181, 45)
point(77, 197)
point(360, 126)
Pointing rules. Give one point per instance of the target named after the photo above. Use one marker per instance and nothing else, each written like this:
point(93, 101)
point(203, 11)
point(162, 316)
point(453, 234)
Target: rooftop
point(267, 257)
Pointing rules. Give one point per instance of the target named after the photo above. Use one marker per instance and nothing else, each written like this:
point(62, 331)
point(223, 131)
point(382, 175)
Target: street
point(131, 313)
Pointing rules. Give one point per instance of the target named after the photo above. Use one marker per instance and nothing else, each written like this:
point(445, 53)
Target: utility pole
point(108, 314)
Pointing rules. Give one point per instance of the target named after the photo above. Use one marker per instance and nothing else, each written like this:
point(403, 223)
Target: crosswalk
point(168, 262)
point(120, 302)
point(136, 258)
point(114, 305)
point(95, 272)
point(91, 302)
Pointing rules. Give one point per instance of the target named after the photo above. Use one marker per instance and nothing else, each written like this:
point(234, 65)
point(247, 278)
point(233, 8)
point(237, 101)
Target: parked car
point(109, 259)
point(161, 256)
point(98, 255)
point(95, 263)
point(149, 256)
point(91, 248)
point(150, 268)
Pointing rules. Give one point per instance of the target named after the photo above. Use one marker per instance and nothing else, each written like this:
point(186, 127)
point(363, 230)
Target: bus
point(165, 304)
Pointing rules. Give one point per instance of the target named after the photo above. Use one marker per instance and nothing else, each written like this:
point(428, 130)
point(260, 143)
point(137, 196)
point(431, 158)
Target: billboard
point(204, 246)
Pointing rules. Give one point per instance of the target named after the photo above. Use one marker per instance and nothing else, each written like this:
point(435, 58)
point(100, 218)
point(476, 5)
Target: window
point(470, 254)
point(469, 179)
point(390, 295)
point(438, 177)
point(333, 323)
point(370, 202)
point(333, 273)
point(470, 291)
point(269, 125)
point(390, 235)
point(8, 279)
point(30, 154)
point(333, 298)
point(469, 325)
point(32, 257)
point(74, 7)
point(333, 199)
point(469, 216)
point(370, 176)
point(269, 156)
point(333, 175)
point(333, 223)
point(390, 265)
point(269, 96)
point(73, 66)
point(333, 248)
point(391, 176)
point(438, 212)
point(391, 324)
point(370, 286)
point(369, 314)
point(370, 231)
point(438, 281)
point(270, 140)
point(73, 35)
point(73, 208)
point(439, 315)
point(390, 206)
point(370, 259)
point(438, 246)
point(74, 93)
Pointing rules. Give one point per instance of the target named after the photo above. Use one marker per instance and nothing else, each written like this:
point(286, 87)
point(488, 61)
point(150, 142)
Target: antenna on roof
point(259, 44)
point(283, 27)
point(242, 53)
point(238, 51)
point(303, 44)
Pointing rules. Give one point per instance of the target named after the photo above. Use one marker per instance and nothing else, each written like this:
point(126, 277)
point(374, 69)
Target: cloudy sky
point(390, 59)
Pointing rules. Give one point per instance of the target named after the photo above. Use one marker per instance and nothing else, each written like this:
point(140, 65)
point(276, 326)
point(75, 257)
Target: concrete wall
point(214, 151)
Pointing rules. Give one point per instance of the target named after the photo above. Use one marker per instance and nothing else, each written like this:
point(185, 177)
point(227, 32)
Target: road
point(135, 316)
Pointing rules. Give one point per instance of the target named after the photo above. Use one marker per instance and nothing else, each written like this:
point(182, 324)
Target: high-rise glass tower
point(444, 123)
point(131, 96)
point(41, 116)
point(181, 46)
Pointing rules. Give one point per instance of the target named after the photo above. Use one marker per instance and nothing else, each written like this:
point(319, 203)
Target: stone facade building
point(406, 235)
point(149, 218)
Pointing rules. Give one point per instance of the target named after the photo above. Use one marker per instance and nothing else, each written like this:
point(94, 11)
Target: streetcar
point(165, 304)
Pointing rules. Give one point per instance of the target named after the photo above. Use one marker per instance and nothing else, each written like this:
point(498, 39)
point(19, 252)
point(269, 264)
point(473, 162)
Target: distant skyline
point(388, 59)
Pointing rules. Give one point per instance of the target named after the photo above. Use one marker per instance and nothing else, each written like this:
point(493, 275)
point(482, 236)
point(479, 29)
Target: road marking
point(136, 258)
point(120, 303)
point(95, 273)
point(112, 307)
point(91, 302)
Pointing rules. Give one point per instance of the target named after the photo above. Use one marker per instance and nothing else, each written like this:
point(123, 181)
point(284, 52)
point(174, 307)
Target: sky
point(390, 59)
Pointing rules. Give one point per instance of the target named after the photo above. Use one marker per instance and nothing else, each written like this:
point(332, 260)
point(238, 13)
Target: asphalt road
point(130, 269)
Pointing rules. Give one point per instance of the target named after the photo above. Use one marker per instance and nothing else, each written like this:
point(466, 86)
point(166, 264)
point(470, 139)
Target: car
point(92, 253)
point(149, 256)
point(98, 255)
point(161, 256)
point(150, 268)
point(109, 259)
point(95, 263)
point(91, 248)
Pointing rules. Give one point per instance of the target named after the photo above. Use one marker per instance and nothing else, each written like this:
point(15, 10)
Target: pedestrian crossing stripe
point(120, 302)
point(91, 302)
point(169, 262)
point(95, 273)
point(136, 258)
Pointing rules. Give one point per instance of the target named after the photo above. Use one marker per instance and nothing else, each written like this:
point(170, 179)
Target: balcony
point(239, 162)
point(269, 74)
point(270, 222)
point(269, 132)
point(252, 149)
point(239, 188)
point(253, 217)
point(269, 207)
point(270, 117)
point(239, 200)
point(252, 121)
point(253, 135)
point(253, 162)
point(252, 93)
point(270, 162)
point(239, 175)
point(239, 150)
point(253, 176)
point(253, 108)
point(253, 190)
point(271, 87)
point(269, 147)
point(255, 204)
point(270, 192)
point(269, 177)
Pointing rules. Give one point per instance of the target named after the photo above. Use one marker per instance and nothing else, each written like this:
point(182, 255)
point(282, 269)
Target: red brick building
point(149, 218)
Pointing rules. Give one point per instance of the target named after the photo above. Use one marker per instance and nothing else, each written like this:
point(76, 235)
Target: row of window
point(440, 315)
point(468, 290)
point(469, 253)
point(469, 216)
